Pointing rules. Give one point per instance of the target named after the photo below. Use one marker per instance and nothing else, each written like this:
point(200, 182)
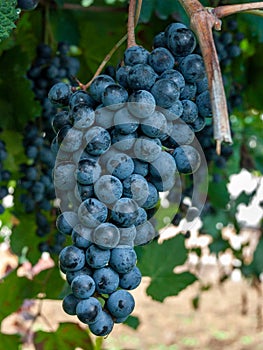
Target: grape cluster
point(5, 175)
point(37, 184)
point(118, 146)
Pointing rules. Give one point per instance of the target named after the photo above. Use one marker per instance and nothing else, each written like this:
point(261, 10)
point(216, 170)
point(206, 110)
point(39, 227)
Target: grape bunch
point(118, 146)
point(5, 175)
point(38, 193)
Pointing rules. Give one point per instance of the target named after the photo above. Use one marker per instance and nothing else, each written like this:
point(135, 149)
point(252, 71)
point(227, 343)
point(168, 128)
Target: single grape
point(166, 92)
point(124, 212)
point(97, 257)
point(108, 189)
point(146, 149)
point(103, 325)
point(123, 142)
point(175, 76)
point(123, 259)
point(187, 159)
point(163, 167)
point(145, 233)
point(120, 165)
point(141, 77)
point(72, 258)
point(192, 67)
point(141, 104)
point(174, 112)
point(66, 221)
point(83, 117)
point(70, 303)
point(98, 140)
point(81, 236)
point(190, 112)
point(106, 280)
point(159, 40)
point(189, 91)
point(113, 96)
point(106, 236)
point(155, 125)
point(92, 212)
point(161, 60)
point(131, 279)
point(88, 171)
point(98, 86)
point(180, 40)
point(83, 286)
point(80, 98)
point(120, 303)
point(60, 94)
point(88, 310)
point(203, 103)
point(135, 55)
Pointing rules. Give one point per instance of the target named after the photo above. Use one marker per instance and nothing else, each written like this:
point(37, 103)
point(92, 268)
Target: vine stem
point(202, 21)
point(227, 10)
point(131, 24)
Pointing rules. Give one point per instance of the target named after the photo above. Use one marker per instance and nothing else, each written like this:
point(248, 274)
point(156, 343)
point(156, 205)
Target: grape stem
point(131, 24)
point(227, 10)
point(202, 21)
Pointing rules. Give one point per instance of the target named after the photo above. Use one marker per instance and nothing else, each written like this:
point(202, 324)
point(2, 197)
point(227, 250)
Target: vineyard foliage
point(91, 31)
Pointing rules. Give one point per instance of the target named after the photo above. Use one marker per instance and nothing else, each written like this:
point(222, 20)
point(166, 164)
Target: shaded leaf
point(133, 322)
point(66, 337)
point(158, 261)
point(10, 341)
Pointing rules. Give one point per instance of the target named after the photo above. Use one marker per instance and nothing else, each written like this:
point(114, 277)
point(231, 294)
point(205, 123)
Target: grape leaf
point(10, 341)
point(8, 16)
point(132, 322)
point(66, 337)
point(24, 235)
point(218, 194)
point(14, 289)
point(146, 11)
point(158, 261)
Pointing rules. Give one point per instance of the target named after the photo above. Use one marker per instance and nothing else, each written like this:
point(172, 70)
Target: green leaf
point(169, 285)
point(133, 322)
point(218, 194)
point(211, 222)
point(158, 261)
point(165, 8)
point(14, 289)
point(8, 15)
point(10, 341)
point(67, 336)
point(219, 245)
point(147, 11)
point(24, 235)
point(17, 102)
